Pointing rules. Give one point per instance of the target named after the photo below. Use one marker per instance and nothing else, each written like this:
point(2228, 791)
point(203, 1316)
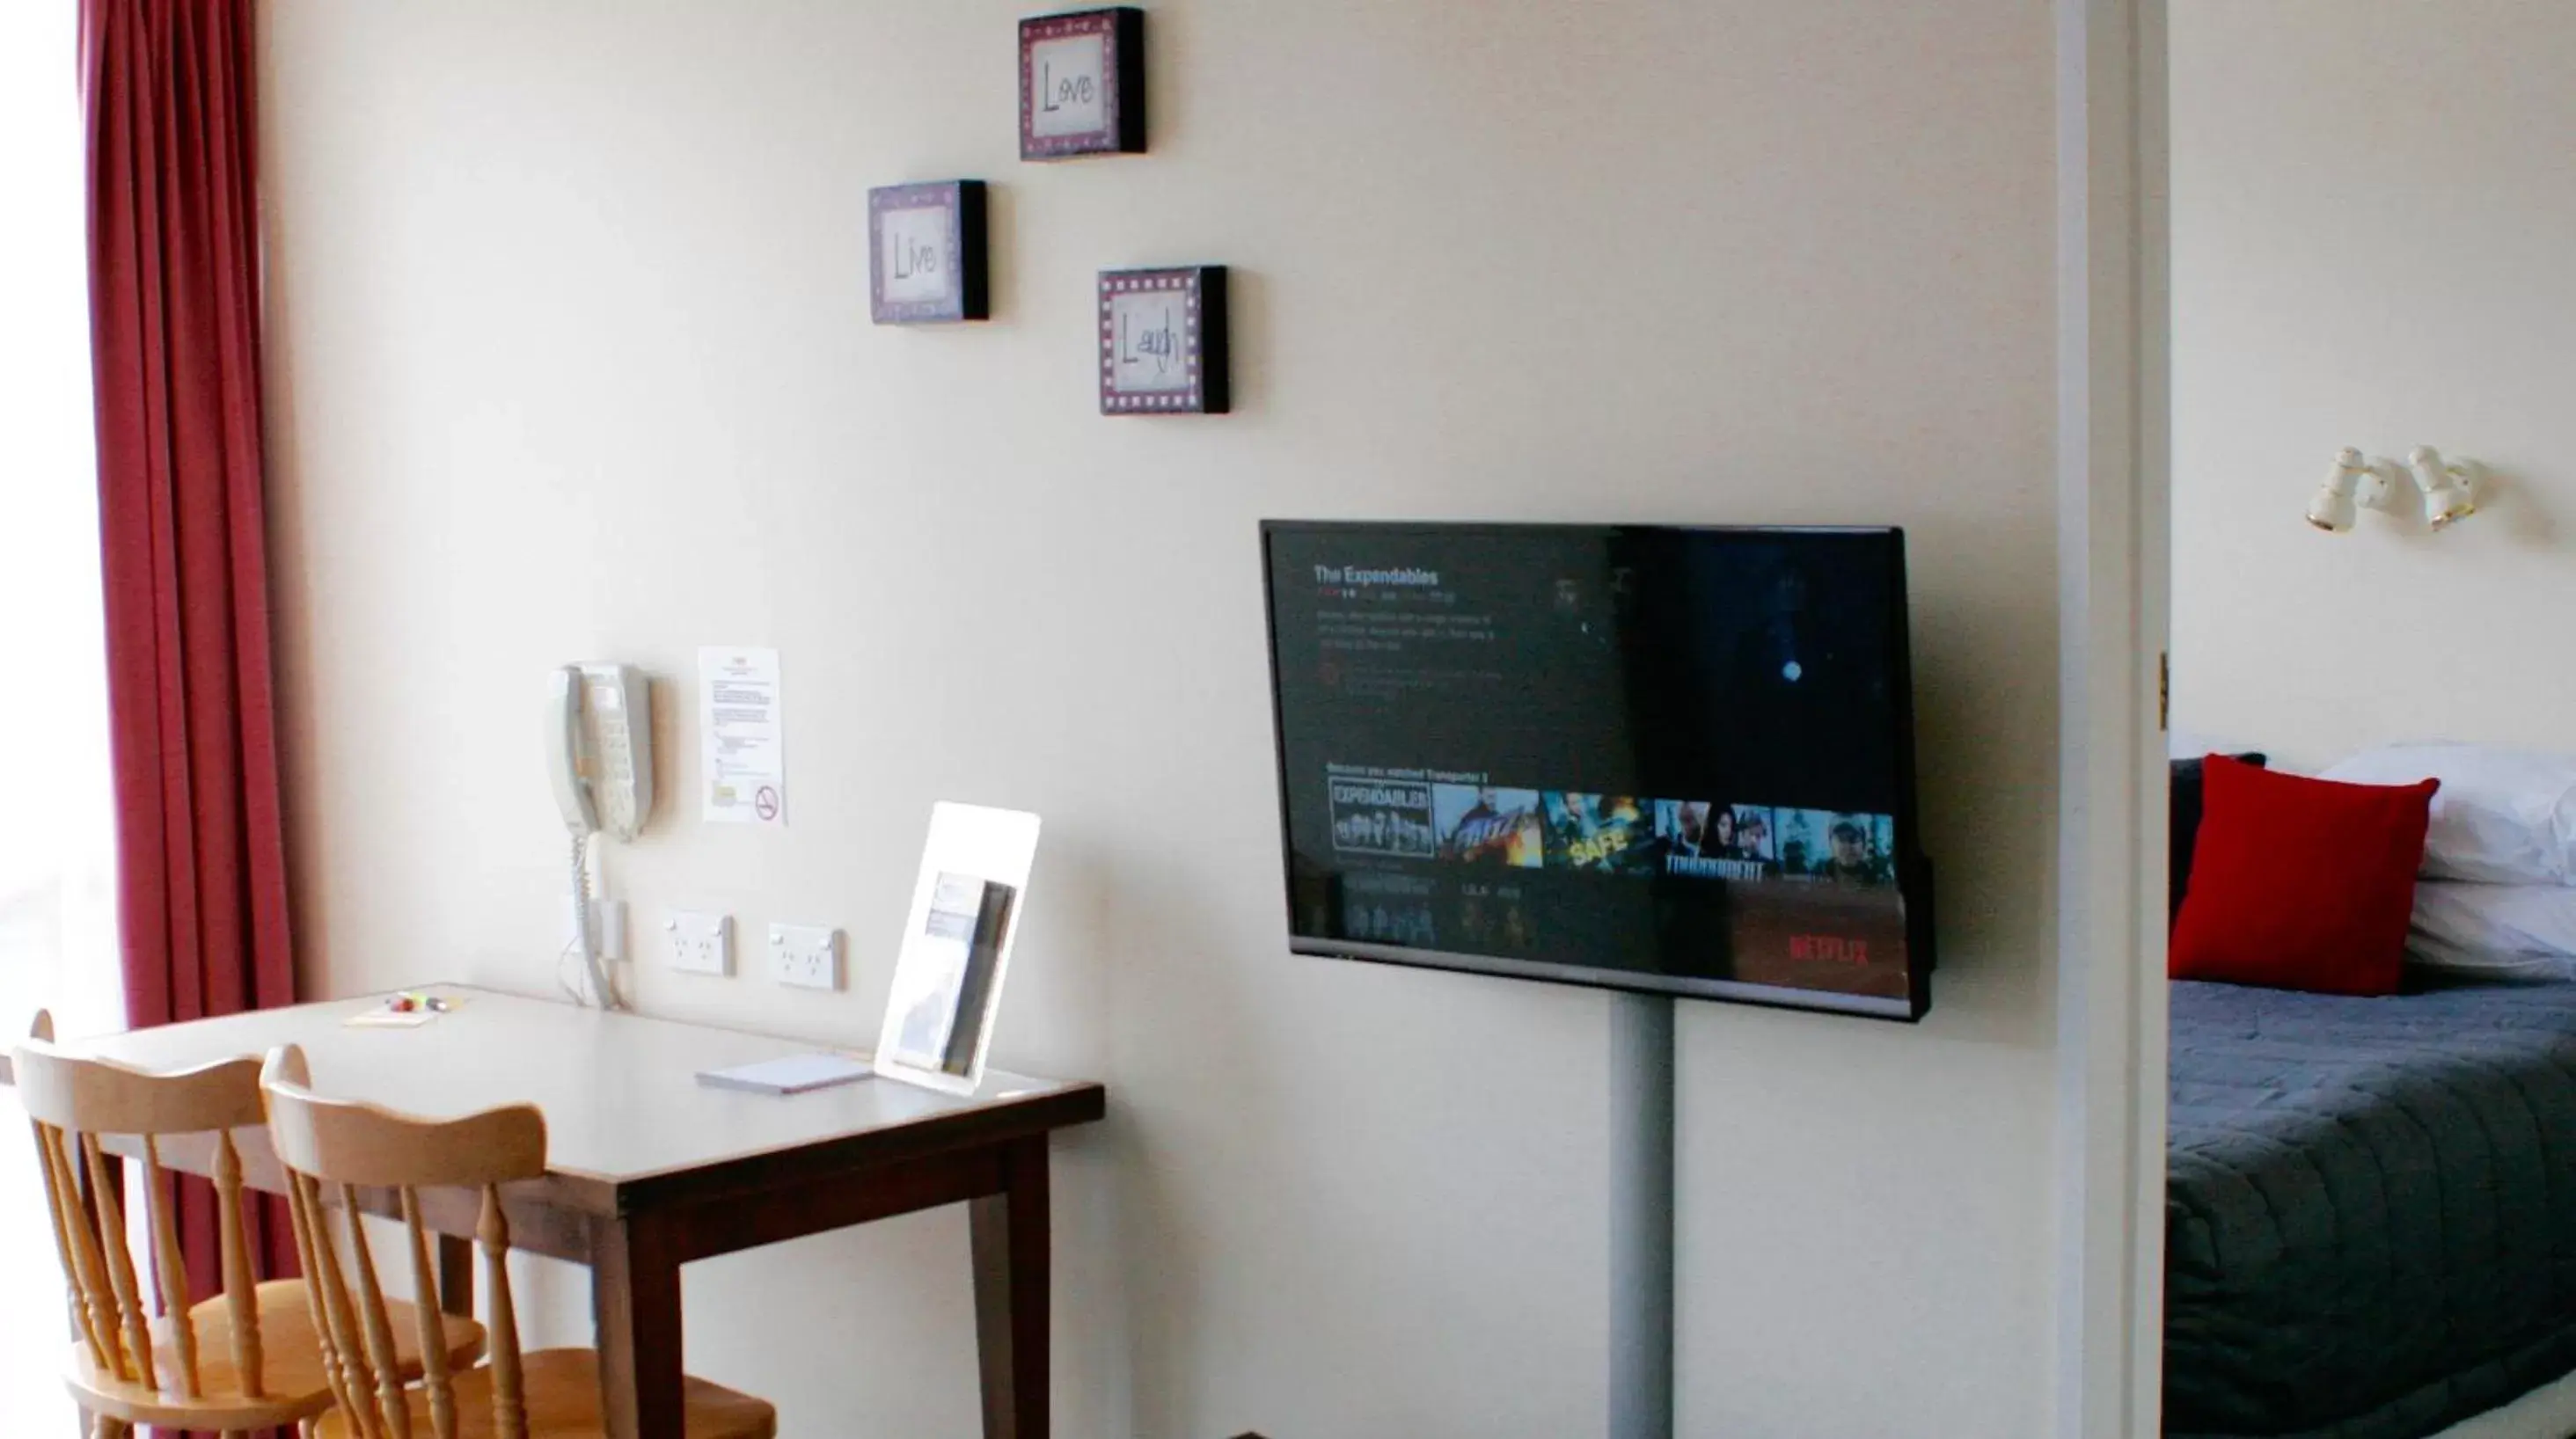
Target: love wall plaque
point(1082, 84)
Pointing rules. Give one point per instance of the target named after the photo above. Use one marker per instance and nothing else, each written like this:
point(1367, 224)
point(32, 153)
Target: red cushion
point(2301, 883)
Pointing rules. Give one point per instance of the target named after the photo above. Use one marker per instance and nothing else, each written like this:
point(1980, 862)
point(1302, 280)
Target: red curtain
point(174, 330)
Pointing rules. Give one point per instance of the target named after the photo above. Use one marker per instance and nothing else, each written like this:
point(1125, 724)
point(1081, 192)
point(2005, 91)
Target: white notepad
point(794, 1074)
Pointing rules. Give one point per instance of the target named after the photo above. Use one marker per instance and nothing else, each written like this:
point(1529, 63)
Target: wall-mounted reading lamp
point(2356, 483)
point(2449, 487)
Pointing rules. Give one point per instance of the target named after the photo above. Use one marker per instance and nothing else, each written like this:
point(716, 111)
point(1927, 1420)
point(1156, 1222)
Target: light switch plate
point(806, 956)
point(700, 943)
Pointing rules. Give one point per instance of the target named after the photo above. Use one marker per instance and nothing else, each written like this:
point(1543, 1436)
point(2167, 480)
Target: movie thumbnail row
point(1608, 833)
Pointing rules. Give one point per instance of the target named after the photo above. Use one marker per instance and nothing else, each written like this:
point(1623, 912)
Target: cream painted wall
point(571, 359)
point(2372, 206)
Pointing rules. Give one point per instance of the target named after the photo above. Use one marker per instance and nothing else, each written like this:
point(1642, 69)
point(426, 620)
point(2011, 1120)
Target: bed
point(2371, 1213)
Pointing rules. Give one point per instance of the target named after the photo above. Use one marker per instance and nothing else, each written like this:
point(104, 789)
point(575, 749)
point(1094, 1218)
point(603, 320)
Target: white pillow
point(2526, 930)
point(2503, 816)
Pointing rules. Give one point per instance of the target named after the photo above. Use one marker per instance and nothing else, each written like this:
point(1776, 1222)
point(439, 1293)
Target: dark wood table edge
point(1036, 1113)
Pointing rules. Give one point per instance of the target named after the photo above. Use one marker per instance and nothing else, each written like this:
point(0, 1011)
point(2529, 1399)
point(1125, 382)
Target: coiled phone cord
point(595, 966)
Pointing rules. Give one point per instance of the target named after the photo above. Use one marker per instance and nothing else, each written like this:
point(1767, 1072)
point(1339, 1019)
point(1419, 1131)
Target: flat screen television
point(1642, 757)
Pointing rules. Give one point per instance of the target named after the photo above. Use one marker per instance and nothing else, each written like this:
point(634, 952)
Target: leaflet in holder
point(956, 946)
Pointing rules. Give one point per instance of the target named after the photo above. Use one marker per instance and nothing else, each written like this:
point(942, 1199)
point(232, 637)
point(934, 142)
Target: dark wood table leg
point(635, 1310)
point(1008, 1234)
point(456, 1276)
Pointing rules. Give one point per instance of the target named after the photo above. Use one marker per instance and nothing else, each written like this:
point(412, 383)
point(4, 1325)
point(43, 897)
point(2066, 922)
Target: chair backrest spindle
point(120, 1264)
point(170, 1268)
point(433, 1351)
point(337, 1325)
point(241, 1291)
point(309, 1239)
point(509, 1400)
point(375, 1323)
point(83, 1270)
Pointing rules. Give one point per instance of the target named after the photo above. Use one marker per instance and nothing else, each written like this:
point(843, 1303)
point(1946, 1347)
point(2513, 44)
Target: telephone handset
point(599, 748)
point(599, 753)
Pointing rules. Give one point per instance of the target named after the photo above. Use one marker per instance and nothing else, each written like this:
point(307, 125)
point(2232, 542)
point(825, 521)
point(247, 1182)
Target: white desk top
point(619, 1091)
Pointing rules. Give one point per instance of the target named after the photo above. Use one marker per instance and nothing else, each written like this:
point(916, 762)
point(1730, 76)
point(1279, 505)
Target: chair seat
point(562, 1391)
point(290, 1365)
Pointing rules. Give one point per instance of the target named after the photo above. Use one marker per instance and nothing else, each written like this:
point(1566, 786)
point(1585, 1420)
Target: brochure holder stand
point(966, 907)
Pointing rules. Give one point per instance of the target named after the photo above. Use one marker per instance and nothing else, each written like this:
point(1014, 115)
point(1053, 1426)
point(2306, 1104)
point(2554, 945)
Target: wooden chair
point(550, 1394)
point(245, 1360)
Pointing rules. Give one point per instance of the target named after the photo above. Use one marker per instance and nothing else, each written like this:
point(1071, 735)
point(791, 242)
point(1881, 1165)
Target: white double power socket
point(807, 956)
point(700, 943)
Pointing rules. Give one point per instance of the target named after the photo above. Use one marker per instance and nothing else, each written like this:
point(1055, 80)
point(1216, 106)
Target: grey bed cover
point(2370, 1208)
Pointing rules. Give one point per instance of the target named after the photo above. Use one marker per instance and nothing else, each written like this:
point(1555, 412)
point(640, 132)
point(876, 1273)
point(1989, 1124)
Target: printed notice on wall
point(743, 770)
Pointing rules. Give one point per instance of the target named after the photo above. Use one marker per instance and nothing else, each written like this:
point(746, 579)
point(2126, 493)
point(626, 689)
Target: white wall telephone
point(599, 753)
point(600, 748)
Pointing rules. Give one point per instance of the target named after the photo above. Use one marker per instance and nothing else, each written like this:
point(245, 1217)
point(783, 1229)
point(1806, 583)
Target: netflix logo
point(1845, 939)
point(1829, 949)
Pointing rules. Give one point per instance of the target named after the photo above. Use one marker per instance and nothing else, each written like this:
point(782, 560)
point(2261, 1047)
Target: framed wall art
point(1082, 84)
point(1162, 341)
point(926, 253)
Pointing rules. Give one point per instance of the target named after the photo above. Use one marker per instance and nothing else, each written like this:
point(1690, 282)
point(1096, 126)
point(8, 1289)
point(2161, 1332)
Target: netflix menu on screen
point(1669, 752)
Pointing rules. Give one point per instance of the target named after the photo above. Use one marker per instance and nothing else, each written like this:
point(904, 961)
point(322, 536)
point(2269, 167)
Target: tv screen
point(1662, 759)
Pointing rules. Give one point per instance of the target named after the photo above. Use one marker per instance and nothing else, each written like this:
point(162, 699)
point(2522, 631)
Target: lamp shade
point(2333, 509)
point(2447, 495)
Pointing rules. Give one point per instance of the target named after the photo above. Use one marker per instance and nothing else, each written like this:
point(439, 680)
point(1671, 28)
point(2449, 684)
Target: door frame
point(2114, 569)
